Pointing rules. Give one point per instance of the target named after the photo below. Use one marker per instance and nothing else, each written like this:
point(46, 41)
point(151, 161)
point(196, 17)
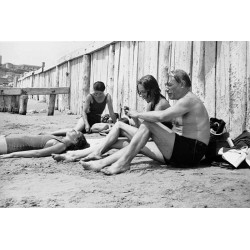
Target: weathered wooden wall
point(220, 74)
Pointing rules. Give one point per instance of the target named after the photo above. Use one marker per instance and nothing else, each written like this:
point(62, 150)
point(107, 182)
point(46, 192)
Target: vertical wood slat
point(111, 70)
point(181, 58)
point(86, 78)
point(164, 65)
point(133, 75)
point(120, 83)
point(116, 76)
point(238, 87)
point(57, 85)
point(203, 74)
point(125, 87)
point(140, 73)
point(222, 82)
point(247, 122)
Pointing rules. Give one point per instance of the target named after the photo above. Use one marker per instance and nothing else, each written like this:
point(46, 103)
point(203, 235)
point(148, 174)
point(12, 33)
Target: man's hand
point(132, 114)
point(87, 128)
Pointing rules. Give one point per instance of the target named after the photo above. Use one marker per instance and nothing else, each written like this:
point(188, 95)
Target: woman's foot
point(116, 168)
point(63, 157)
point(92, 156)
point(91, 165)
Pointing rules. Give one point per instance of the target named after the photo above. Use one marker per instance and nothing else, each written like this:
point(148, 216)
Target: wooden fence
point(220, 74)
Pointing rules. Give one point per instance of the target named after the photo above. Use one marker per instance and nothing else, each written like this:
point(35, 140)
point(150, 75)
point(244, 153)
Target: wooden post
point(15, 81)
point(86, 79)
point(68, 84)
point(23, 104)
point(57, 85)
point(52, 99)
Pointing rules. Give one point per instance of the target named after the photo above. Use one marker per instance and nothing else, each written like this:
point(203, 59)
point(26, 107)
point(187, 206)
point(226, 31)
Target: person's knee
point(145, 127)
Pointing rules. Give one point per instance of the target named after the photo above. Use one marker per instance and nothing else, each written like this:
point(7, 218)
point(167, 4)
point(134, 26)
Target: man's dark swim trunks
point(187, 151)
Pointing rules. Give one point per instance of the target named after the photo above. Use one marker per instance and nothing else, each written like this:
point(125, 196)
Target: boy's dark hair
point(180, 75)
point(81, 143)
point(151, 86)
point(99, 86)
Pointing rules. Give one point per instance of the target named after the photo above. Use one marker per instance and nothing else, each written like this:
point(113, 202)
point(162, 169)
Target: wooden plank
point(203, 74)
point(2, 103)
point(34, 91)
point(248, 88)
point(111, 70)
point(181, 58)
point(222, 82)
point(57, 85)
point(51, 106)
point(238, 87)
point(152, 58)
point(133, 75)
point(86, 78)
point(198, 71)
point(182, 55)
point(23, 104)
point(210, 81)
point(89, 49)
point(121, 77)
point(116, 76)
point(163, 65)
point(141, 60)
point(126, 74)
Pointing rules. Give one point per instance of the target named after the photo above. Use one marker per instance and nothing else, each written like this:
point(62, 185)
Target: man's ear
point(183, 84)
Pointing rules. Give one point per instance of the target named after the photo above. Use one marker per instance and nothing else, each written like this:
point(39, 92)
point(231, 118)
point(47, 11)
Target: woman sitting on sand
point(148, 89)
point(92, 111)
point(28, 146)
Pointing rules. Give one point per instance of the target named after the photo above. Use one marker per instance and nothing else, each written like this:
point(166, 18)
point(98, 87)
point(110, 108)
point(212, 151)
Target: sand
point(42, 182)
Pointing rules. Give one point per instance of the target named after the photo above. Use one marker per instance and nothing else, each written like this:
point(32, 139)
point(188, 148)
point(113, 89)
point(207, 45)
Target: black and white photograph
point(141, 111)
point(124, 125)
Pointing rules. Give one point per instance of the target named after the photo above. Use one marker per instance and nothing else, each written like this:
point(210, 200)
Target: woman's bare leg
point(78, 154)
point(164, 139)
point(119, 128)
point(97, 165)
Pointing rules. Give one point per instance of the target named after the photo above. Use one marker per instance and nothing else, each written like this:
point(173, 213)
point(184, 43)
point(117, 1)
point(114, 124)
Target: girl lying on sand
point(28, 146)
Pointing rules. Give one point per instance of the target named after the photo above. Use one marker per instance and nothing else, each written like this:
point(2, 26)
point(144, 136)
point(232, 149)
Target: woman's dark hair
point(151, 86)
point(81, 143)
point(99, 86)
point(180, 75)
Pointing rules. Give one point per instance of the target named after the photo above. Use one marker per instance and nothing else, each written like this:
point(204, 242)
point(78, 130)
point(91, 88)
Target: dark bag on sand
point(218, 139)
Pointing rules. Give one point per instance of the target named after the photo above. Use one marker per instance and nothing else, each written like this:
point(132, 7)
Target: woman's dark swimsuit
point(95, 111)
point(187, 151)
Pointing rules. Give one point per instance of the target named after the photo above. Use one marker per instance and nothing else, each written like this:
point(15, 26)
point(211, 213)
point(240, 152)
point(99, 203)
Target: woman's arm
point(179, 109)
point(56, 149)
point(110, 107)
point(85, 111)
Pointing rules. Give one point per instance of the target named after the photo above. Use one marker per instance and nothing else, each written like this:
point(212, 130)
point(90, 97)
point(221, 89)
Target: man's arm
point(56, 149)
point(110, 107)
point(179, 109)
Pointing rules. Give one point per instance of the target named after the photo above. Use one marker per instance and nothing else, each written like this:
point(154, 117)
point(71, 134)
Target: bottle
point(230, 142)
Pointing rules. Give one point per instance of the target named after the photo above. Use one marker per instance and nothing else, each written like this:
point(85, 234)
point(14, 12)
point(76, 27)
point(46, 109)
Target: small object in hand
point(126, 109)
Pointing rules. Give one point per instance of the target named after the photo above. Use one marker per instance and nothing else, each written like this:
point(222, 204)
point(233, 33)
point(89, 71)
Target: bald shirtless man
point(186, 149)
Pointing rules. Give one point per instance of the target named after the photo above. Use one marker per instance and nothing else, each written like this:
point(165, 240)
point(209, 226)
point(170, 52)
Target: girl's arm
point(85, 111)
point(110, 107)
point(56, 149)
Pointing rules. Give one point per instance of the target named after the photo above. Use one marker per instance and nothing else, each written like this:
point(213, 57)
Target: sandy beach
point(42, 182)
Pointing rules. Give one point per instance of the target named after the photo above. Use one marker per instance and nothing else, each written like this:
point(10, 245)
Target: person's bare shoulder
point(162, 104)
